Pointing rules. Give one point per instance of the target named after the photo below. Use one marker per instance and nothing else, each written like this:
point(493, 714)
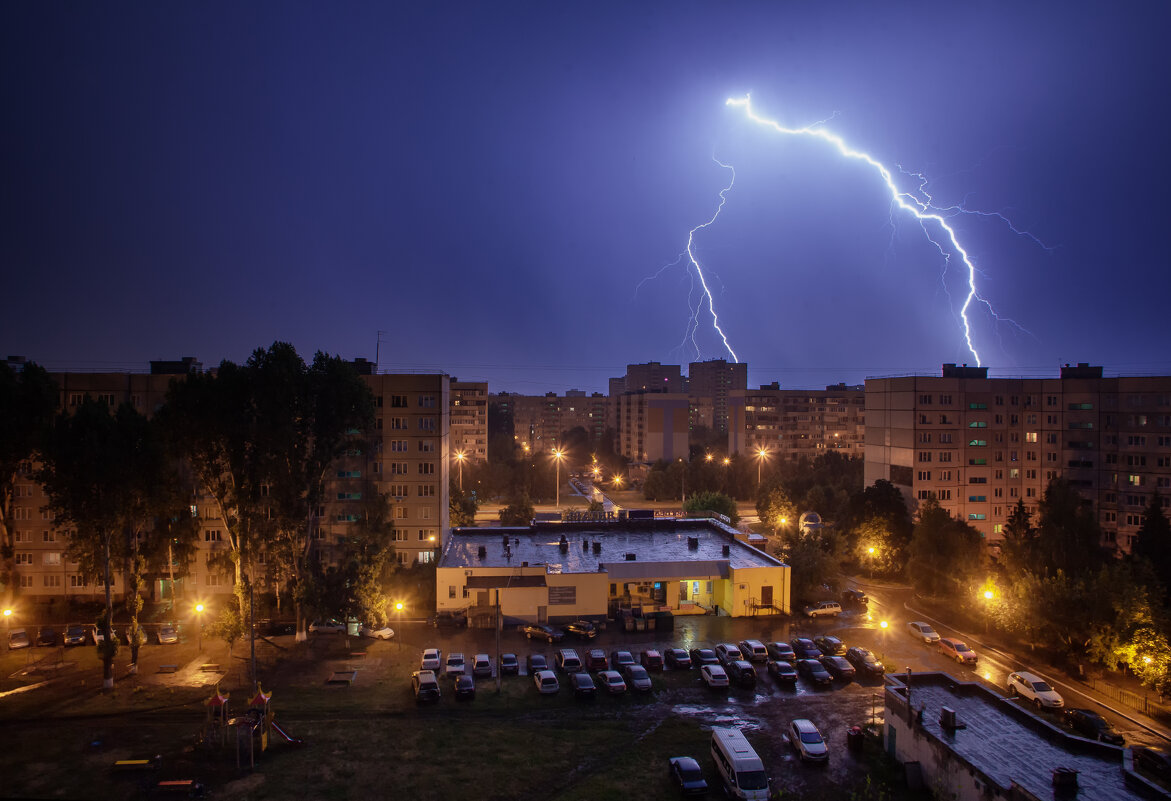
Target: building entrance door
point(766, 596)
point(682, 591)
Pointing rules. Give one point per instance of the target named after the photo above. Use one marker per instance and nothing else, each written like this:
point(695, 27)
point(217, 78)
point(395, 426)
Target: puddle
point(717, 717)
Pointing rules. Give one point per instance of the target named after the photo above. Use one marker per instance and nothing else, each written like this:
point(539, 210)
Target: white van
point(739, 766)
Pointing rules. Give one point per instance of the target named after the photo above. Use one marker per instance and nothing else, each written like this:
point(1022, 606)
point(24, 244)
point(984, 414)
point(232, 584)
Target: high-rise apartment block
point(980, 444)
point(709, 384)
point(652, 426)
point(791, 423)
point(469, 419)
point(653, 377)
point(541, 421)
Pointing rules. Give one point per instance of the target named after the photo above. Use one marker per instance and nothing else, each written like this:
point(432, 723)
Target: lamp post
point(459, 458)
point(199, 614)
point(761, 453)
point(870, 552)
point(988, 596)
point(558, 455)
point(7, 629)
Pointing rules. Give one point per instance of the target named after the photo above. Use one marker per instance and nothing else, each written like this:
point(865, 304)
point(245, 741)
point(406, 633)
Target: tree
point(944, 552)
point(1018, 549)
point(713, 502)
point(519, 512)
point(1068, 536)
point(878, 518)
point(28, 401)
point(462, 508)
point(228, 626)
point(811, 565)
point(1153, 543)
point(776, 507)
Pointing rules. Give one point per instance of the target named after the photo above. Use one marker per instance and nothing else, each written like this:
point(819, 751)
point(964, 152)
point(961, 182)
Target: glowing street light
point(8, 627)
point(870, 552)
point(199, 614)
point(709, 457)
point(761, 454)
point(617, 480)
point(558, 455)
point(459, 458)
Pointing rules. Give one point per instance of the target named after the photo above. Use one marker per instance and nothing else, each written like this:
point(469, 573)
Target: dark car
point(782, 671)
point(425, 686)
point(465, 687)
point(509, 664)
point(814, 672)
point(677, 659)
point(687, 776)
point(1089, 723)
point(47, 636)
point(741, 673)
point(75, 634)
point(596, 660)
point(1154, 761)
point(854, 599)
point(865, 662)
point(536, 662)
point(753, 650)
point(803, 648)
point(582, 629)
point(651, 659)
point(781, 652)
point(446, 619)
point(542, 632)
point(704, 656)
point(620, 659)
point(830, 646)
point(838, 667)
point(583, 685)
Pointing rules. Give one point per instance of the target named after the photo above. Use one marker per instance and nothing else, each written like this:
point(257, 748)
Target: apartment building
point(653, 426)
point(791, 423)
point(469, 419)
point(540, 421)
point(981, 444)
point(709, 383)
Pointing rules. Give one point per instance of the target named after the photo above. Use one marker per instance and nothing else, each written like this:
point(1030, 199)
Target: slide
point(284, 734)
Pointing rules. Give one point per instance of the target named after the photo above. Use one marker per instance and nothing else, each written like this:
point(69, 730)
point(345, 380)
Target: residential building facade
point(710, 383)
point(791, 423)
point(469, 419)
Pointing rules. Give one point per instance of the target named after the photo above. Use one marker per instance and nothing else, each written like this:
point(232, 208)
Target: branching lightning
point(707, 293)
point(917, 202)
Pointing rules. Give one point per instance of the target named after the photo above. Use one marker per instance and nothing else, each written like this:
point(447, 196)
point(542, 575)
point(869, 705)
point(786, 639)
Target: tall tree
point(1018, 549)
point(712, 502)
point(1068, 536)
point(462, 507)
point(28, 401)
point(1153, 543)
point(944, 553)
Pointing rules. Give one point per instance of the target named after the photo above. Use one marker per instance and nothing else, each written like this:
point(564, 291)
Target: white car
point(612, 681)
point(1033, 688)
point(714, 676)
point(432, 659)
point(824, 609)
point(728, 652)
point(168, 635)
point(454, 665)
point(808, 741)
point(923, 631)
point(376, 632)
point(546, 681)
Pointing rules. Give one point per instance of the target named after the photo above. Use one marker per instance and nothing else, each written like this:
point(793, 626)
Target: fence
point(1141, 703)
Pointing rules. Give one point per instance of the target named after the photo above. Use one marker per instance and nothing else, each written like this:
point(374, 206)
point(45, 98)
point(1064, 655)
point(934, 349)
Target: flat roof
point(1009, 744)
point(661, 545)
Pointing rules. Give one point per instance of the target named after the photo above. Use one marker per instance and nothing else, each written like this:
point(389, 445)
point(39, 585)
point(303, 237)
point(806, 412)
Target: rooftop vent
point(505, 543)
point(947, 719)
point(693, 543)
point(630, 557)
point(482, 552)
point(524, 564)
point(585, 545)
point(563, 546)
point(597, 547)
point(1064, 780)
point(727, 550)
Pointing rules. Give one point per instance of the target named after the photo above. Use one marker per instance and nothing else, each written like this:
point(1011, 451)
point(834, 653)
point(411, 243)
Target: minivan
point(738, 764)
point(568, 661)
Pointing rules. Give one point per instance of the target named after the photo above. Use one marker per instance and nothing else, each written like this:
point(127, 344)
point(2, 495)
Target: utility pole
point(499, 672)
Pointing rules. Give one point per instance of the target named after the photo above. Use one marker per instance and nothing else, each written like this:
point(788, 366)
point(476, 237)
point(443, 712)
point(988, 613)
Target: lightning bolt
point(707, 293)
point(917, 202)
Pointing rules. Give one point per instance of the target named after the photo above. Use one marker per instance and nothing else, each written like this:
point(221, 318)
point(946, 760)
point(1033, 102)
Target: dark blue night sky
point(489, 183)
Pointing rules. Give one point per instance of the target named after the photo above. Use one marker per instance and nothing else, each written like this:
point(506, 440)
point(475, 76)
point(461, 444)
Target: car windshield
point(926, 629)
point(752, 780)
point(961, 647)
point(1042, 687)
point(691, 775)
point(811, 737)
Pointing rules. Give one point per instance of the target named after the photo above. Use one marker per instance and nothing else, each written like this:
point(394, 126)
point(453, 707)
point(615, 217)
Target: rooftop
point(1009, 744)
point(608, 544)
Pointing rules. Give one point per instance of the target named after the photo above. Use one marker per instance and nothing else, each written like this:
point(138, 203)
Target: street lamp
point(8, 628)
point(459, 458)
point(870, 551)
point(988, 596)
point(761, 453)
point(199, 614)
point(617, 480)
point(558, 455)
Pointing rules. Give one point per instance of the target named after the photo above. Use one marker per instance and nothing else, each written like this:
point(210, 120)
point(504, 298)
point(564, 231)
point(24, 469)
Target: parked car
point(824, 609)
point(535, 663)
point(328, 626)
point(18, 638)
point(141, 636)
point(865, 662)
point(677, 659)
point(728, 652)
point(582, 629)
point(168, 635)
point(960, 652)
point(454, 666)
point(838, 667)
point(687, 776)
point(651, 659)
point(446, 619)
point(741, 673)
point(1154, 761)
point(714, 676)
point(481, 666)
point(922, 631)
point(583, 685)
point(509, 664)
point(75, 634)
point(1089, 723)
point(754, 651)
point(1034, 688)
point(99, 637)
point(542, 632)
point(432, 659)
point(829, 645)
point(612, 681)
point(854, 599)
point(425, 686)
point(803, 648)
point(703, 656)
point(807, 740)
point(47, 636)
point(814, 672)
point(782, 671)
point(465, 687)
point(546, 682)
point(568, 661)
point(781, 652)
point(637, 678)
point(596, 660)
point(620, 659)
point(375, 632)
